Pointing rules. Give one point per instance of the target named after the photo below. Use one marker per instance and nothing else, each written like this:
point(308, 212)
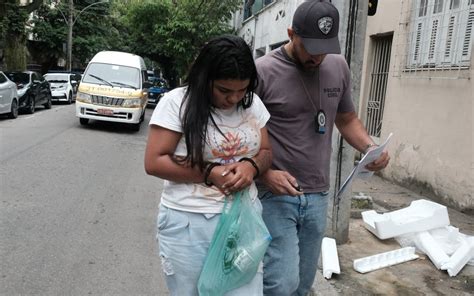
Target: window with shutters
point(441, 34)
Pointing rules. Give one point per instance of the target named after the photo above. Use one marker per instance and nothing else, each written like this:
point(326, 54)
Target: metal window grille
point(378, 84)
point(434, 39)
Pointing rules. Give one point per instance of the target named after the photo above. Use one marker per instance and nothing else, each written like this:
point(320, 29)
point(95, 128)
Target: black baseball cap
point(317, 23)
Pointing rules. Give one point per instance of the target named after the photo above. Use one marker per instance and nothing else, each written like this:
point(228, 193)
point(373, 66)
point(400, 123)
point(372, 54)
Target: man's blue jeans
point(297, 225)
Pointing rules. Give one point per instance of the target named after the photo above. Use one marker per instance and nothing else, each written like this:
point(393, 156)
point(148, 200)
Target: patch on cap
point(325, 24)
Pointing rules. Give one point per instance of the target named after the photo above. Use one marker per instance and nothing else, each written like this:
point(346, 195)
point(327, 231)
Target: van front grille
point(107, 101)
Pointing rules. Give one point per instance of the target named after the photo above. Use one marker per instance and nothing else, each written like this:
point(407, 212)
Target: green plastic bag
point(237, 248)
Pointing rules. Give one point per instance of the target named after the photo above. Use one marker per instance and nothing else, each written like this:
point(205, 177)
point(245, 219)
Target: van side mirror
point(147, 84)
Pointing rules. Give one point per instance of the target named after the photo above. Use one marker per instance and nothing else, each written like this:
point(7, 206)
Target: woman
point(207, 140)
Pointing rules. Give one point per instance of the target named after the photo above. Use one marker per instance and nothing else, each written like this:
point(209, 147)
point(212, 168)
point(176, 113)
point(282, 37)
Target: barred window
point(440, 34)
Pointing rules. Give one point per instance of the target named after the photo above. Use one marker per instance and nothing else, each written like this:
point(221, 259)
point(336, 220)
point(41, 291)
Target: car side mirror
point(147, 84)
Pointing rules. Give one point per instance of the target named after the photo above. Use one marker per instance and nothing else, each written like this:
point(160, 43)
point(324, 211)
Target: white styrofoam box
point(432, 248)
point(382, 260)
point(421, 215)
point(462, 255)
point(330, 258)
point(448, 238)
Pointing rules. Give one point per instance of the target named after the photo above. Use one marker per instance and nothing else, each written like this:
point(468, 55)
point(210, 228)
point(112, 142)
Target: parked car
point(33, 90)
point(159, 88)
point(150, 75)
point(8, 97)
point(75, 78)
point(63, 87)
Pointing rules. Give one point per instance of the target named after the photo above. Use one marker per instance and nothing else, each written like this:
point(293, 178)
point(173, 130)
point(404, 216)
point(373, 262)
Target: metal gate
point(378, 84)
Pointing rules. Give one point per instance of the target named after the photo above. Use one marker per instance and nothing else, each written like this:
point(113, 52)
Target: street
point(77, 210)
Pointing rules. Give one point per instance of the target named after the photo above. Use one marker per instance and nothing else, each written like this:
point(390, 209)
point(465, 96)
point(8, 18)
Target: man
point(306, 87)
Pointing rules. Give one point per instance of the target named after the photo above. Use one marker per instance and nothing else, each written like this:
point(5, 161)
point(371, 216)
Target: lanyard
point(320, 117)
point(309, 97)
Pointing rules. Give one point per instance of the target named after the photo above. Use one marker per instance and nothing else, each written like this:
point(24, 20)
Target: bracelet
point(253, 163)
point(368, 147)
point(208, 172)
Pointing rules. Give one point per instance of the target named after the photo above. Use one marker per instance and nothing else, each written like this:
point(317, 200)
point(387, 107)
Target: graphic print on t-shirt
point(234, 144)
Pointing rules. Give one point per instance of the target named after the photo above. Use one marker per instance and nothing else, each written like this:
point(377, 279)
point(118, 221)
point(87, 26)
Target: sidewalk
point(417, 277)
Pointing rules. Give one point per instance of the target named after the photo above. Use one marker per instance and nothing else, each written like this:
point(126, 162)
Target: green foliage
point(50, 31)
point(94, 30)
point(171, 32)
point(15, 20)
point(13, 35)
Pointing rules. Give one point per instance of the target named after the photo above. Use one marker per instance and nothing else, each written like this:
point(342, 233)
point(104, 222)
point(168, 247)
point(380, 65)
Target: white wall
point(269, 26)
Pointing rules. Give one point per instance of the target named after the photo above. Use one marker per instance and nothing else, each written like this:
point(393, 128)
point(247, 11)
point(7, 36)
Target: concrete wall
point(268, 26)
point(432, 120)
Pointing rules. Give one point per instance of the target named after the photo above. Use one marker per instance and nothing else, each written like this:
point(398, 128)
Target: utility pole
point(70, 21)
point(70, 24)
point(353, 22)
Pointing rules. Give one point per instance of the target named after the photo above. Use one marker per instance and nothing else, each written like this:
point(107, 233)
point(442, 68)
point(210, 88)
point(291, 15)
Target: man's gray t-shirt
point(297, 147)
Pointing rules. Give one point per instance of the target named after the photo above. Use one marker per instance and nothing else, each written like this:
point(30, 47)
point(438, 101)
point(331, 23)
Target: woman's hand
point(233, 177)
point(219, 176)
point(243, 175)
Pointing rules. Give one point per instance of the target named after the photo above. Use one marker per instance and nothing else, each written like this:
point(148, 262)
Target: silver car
point(8, 97)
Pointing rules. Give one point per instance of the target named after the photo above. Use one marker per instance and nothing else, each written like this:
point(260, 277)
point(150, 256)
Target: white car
point(62, 88)
point(8, 97)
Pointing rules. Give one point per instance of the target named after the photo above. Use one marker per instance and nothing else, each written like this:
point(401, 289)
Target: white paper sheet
point(360, 171)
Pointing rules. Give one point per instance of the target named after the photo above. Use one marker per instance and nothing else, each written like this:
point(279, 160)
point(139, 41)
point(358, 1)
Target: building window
point(441, 34)
point(251, 7)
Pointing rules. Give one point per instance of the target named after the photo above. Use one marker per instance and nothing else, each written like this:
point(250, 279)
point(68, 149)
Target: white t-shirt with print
point(242, 130)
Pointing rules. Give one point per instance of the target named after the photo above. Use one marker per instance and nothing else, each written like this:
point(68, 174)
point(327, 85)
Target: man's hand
point(380, 163)
point(281, 182)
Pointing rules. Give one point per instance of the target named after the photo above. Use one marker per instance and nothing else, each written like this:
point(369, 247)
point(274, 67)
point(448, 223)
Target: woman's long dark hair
point(224, 57)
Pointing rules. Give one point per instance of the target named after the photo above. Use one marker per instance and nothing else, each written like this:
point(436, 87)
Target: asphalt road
point(77, 211)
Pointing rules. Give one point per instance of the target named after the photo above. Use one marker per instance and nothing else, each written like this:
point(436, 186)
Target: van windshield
point(107, 74)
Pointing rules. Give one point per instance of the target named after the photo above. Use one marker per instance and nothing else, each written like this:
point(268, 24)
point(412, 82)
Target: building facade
point(417, 83)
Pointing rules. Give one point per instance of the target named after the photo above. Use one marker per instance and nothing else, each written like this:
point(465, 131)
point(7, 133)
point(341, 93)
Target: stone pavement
point(417, 277)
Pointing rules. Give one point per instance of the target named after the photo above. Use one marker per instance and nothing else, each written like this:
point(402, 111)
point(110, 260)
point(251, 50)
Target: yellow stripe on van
point(104, 90)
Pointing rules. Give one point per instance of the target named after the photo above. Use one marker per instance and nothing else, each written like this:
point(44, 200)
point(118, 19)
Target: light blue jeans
point(184, 239)
point(297, 225)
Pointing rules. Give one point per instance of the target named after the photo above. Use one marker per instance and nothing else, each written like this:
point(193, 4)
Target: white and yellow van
point(114, 88)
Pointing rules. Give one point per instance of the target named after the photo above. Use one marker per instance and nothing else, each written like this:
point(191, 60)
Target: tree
point(175, 30)
point(13, 23)
point(92, 32)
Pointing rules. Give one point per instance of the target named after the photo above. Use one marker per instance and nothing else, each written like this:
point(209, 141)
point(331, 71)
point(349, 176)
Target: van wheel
point(83, 121)
point(136, 126)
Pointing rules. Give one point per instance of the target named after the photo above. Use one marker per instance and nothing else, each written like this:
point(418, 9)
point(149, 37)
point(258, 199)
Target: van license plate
point(106, 112)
